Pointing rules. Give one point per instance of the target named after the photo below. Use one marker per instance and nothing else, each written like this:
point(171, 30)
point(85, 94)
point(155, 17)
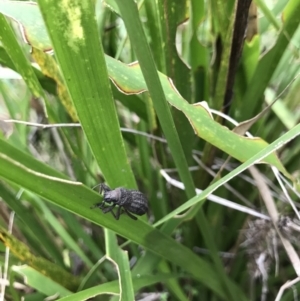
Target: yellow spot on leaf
point(73, 31)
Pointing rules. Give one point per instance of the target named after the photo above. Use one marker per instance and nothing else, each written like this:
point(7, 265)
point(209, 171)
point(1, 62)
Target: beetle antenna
point(96, 186)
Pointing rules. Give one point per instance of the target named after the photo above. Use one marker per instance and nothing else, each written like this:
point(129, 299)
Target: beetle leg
point(130, 215)
point(118, 213)
point(98, 205)
point(113, 213)
point(110, 209)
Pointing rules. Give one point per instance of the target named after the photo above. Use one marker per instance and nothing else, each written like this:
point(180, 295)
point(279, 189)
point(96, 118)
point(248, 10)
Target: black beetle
point(132, 201)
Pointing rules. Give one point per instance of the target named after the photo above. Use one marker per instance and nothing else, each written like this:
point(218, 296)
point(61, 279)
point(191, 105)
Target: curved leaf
point(129, 79)
point(23, 170)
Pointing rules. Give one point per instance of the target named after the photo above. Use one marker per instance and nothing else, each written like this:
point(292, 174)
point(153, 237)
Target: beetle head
point(113, 195)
